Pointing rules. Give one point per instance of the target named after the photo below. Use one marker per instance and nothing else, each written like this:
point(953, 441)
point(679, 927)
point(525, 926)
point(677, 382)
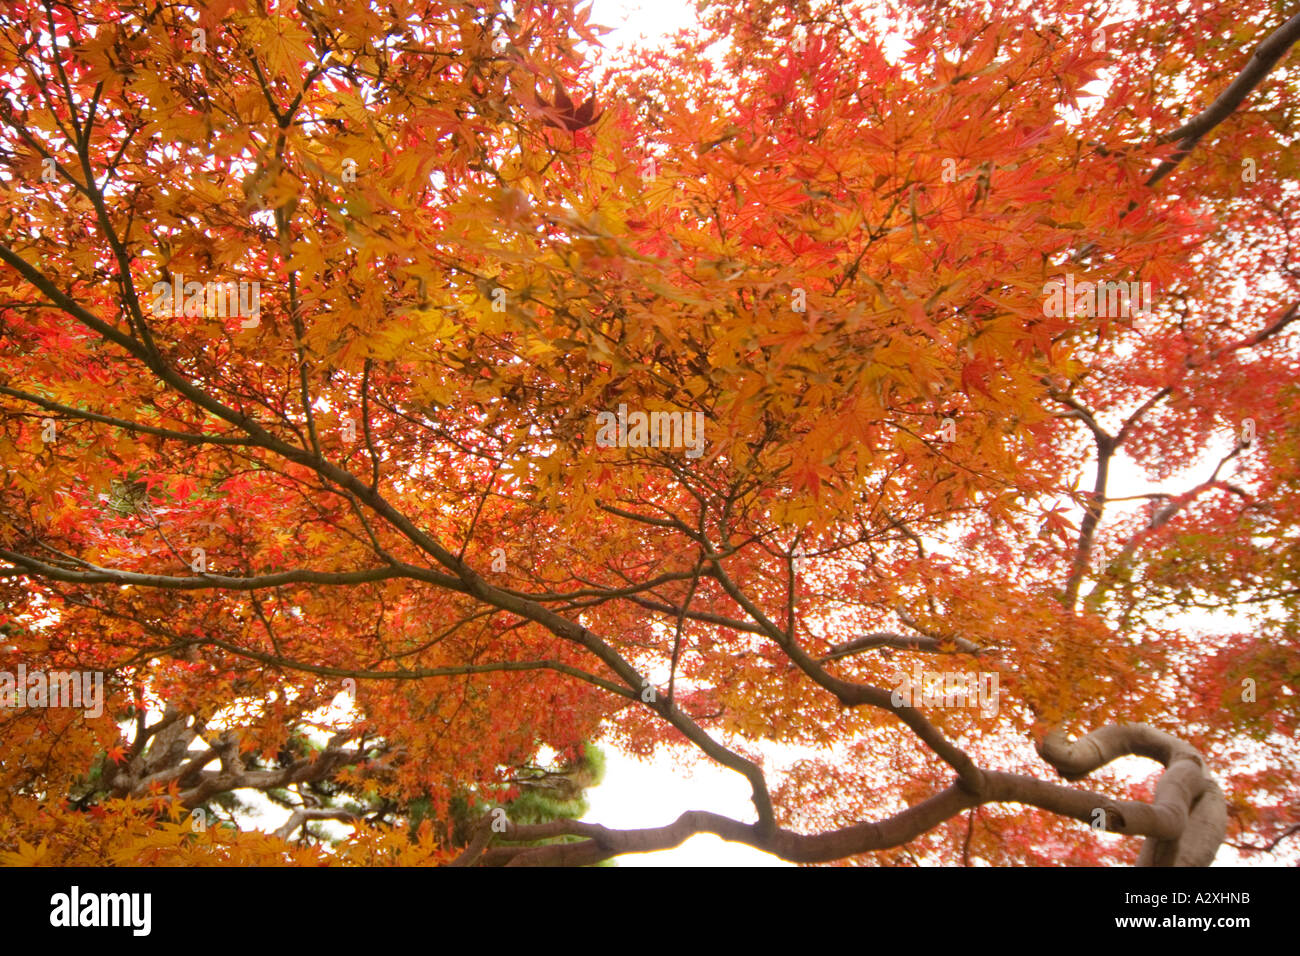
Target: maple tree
point(444, 245)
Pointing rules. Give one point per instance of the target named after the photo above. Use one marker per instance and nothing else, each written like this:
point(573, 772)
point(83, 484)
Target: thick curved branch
point(1185, 793)
point(1159, 822)
point(603, 843)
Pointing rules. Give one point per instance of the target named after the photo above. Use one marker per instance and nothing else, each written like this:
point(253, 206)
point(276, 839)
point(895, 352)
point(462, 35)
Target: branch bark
point(1185, 794)
point(1261, 62)
point(1184, 826)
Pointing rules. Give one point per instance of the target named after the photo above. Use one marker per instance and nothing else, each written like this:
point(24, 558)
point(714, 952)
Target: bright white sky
point(638, 22)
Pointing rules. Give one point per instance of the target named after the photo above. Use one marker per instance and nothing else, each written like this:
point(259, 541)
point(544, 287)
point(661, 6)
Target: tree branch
point(1261, 62)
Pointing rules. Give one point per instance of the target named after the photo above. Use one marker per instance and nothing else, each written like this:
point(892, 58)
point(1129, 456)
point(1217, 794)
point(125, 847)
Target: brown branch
point(1162, 822)
point(1261, 62)
point(303, 815)
point(26, 565)
point(192, 438)
point(422, 673)
point(1270, 846)
point(1191, 809)
point(902, 642)
point(848, 692)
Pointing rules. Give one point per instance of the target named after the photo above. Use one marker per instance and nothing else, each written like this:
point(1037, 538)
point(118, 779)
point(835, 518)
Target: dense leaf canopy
point(327, 336)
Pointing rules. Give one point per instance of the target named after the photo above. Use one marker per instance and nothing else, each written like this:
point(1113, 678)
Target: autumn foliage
point(831, 233)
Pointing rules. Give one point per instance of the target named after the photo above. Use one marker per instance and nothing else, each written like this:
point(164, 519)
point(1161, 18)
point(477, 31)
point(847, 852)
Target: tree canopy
point(704, 401)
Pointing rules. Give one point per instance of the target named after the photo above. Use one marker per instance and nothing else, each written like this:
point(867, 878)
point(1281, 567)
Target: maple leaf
point(975, 375)
point(562, 114)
